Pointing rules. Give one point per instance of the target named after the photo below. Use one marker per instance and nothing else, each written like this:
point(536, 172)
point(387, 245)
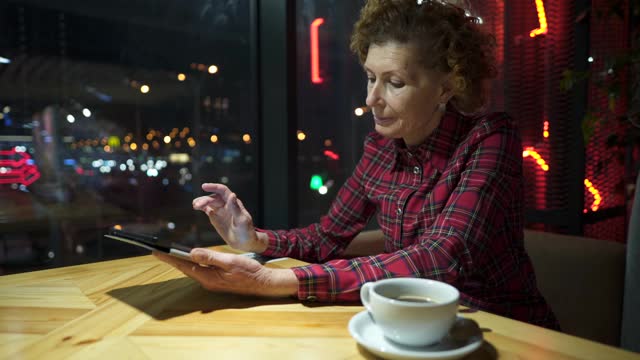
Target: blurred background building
point(113, 114)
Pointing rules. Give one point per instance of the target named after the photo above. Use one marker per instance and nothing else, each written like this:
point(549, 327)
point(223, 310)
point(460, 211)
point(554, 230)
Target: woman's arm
point(349, 213)
point(367, 243)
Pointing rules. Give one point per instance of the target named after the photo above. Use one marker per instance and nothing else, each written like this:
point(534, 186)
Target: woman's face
point(402, 95)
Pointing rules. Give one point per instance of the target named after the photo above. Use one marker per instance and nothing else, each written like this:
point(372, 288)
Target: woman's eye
point(371, 80)
point(396, 84)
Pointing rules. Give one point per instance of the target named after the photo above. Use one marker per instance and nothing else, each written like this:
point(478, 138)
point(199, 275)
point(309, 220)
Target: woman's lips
point(382, 120)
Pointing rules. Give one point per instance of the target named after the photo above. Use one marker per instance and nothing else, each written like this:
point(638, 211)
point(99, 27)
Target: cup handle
point(365, 294)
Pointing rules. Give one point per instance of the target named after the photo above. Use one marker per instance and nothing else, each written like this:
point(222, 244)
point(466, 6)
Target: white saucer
point(367, 334)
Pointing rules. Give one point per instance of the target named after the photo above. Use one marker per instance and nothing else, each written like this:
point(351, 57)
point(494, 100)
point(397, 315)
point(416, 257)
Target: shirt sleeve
point(348, 215)
point(490, 176)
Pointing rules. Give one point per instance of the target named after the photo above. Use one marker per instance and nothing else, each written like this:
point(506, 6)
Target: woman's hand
point(230, 219)
point(234, 273)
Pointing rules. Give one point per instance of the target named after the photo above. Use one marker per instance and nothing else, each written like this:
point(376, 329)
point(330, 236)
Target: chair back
point(582, 279)
point(630, 339)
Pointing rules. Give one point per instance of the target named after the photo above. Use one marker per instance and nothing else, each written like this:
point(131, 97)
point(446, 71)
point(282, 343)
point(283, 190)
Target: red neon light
point(542, 19)
point(8, 152)
point(19, 171)
point(331, 155)
point(315, 51)
point(12, 163)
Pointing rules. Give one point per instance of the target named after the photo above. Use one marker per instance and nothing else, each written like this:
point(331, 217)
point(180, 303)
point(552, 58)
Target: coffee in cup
point(411, 311)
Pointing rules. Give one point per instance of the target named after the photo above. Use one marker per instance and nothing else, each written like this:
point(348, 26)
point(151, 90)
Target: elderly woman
point(444, 178)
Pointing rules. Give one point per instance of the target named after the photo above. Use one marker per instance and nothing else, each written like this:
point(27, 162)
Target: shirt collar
point(438, 147)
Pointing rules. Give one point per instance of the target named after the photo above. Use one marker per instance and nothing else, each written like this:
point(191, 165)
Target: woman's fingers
point(241, 206)
point(228, 216)
point(210, 211)
point(199, 272)
point(221, 197)
point(219, 189)
point(201, 202)
point(243, 216)
point(202, 256)
point(182, 265)
point(232, 205)
point(220, 260)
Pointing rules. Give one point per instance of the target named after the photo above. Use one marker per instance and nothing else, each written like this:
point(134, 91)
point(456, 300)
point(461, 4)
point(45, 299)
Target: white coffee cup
point(411, 311)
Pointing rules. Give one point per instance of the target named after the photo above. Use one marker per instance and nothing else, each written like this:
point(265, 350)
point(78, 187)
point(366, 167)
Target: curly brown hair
point(446, 40)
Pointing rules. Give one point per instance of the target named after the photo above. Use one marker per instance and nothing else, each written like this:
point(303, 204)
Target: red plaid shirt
point(450, 209)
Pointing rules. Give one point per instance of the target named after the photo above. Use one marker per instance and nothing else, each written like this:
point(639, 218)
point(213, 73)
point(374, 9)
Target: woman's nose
point(373, 95)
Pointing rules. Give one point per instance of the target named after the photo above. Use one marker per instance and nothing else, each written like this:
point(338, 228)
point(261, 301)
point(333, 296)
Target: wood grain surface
point(140, 308)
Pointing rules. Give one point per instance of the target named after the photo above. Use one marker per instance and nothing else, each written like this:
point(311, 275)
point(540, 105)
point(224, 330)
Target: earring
point(442, 107)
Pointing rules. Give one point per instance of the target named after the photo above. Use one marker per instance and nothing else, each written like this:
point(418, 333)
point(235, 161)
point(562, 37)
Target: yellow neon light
point(597, 198)
point(530, 151)
point(542, 19)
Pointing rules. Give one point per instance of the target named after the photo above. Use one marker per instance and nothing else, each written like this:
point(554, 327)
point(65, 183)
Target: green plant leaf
point(570, 78)
point(566, 83)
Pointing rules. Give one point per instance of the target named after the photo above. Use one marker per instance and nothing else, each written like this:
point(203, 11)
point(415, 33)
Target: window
point(114, 115)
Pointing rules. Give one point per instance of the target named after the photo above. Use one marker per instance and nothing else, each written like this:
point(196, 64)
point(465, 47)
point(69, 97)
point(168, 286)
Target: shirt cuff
point(313, 284)
point(326, 283)
point(274, 245)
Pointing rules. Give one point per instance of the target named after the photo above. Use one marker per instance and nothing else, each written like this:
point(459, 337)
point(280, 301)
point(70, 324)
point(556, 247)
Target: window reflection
point(331, 86)
point(115, 116)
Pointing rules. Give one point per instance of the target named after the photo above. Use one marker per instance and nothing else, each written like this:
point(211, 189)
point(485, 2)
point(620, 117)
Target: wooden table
point(142, 308)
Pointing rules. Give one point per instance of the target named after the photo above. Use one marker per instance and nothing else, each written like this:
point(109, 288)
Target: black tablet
point(152, 243)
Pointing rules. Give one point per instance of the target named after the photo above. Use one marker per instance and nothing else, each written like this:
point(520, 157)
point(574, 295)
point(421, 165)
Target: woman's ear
point(447, 89)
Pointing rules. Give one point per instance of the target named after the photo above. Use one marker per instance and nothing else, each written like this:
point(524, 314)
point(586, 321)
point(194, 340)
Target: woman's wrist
point(262, 242)
point(281, 283)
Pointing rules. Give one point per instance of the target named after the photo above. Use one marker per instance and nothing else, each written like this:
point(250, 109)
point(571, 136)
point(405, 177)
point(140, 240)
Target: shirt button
point(416, 170)
point(399, 211)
